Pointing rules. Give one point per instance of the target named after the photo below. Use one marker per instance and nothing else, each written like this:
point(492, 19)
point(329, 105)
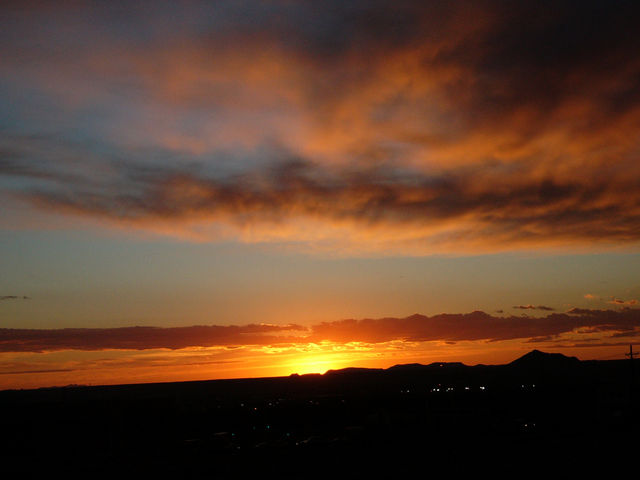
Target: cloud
point(51, 370)
point(533, 307)
point(474, 326)
point(143, 338)
point(625, 334)
point(545, 338)
point(405, 126)
point(374, 208)
point(618, 301)
point(592, 345)
point(14, 297)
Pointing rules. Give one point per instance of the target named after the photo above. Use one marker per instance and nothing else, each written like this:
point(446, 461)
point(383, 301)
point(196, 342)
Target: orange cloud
point(618, 301)
point(375, 210)
point(412, 128)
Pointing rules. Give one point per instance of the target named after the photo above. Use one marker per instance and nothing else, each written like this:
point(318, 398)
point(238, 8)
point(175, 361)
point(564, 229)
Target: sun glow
point(312, 364)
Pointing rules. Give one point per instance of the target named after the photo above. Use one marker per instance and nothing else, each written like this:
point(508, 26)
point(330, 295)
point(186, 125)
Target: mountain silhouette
point(536, 358)
point(534, 361)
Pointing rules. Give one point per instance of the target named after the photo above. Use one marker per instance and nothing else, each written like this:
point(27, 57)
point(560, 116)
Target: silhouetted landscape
point(407, 418)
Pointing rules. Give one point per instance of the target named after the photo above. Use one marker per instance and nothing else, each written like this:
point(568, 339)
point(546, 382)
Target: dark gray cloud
point(476, 326)
point(534, 307)
point(472, 326)
point(141, 338)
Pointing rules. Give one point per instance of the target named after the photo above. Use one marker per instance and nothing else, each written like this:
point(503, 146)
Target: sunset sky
point(197, 190)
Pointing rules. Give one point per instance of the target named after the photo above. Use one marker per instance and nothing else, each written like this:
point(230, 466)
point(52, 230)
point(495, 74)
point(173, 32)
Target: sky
point(193, 190)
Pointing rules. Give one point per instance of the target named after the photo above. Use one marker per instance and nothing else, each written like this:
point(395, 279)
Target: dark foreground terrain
point(543, 413)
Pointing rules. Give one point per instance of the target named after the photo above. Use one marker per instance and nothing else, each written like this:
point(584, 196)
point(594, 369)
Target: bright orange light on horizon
point(103, 367)
point(312, 364)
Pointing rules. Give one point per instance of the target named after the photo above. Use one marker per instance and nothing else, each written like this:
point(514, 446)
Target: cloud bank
point(472, 326)
point(139, 338)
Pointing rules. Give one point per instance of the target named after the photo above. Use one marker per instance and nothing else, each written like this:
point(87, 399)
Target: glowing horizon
point(150, 354)
point(212, 189)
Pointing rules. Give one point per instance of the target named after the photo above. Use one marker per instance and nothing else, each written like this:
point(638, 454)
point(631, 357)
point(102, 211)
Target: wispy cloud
point(14, 297)
point(409, 127)
point(533, 307)
point(373, 208)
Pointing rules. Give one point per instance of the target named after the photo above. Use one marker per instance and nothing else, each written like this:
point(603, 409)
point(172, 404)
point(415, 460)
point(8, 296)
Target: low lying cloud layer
point(398, 126)
point(472, 326)
point(139, 338)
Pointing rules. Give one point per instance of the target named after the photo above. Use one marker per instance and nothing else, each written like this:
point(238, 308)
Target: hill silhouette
point(541, 404)
point(537, 358)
